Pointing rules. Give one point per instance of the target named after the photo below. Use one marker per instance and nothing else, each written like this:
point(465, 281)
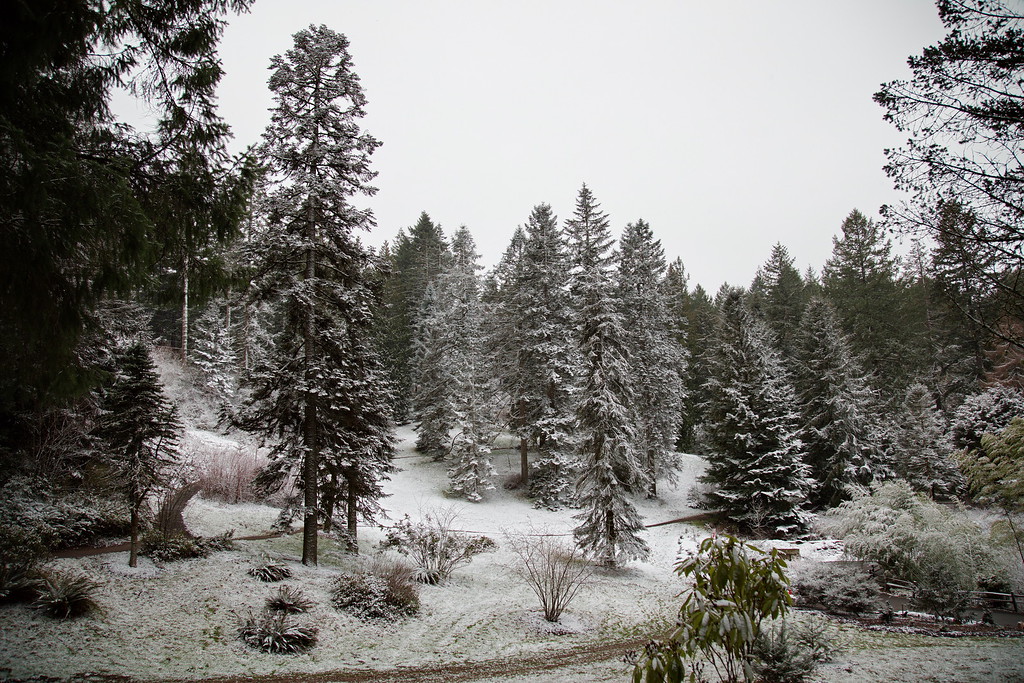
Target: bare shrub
point(553, 568)
point(228, 473)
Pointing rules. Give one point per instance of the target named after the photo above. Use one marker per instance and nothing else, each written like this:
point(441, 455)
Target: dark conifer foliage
point(755, 460)
point(321, 392)
point(417, 258)
point(837, 408)
point(861, 281)
point(86, 202)
point(140, 429)
point(778, 294)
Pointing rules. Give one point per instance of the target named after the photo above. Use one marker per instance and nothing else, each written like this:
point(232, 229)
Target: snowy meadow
point(179, 620)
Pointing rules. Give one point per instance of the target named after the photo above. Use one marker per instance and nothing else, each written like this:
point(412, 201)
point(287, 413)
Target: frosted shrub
point(384, 593)
point(789, 651)
point(289, 600)
point(913, 538)
point(433, 546)
point(63, 596)
point(553, 569)
point(177, 546)
point(270, 572)
point(835, 588)
point(276, 633)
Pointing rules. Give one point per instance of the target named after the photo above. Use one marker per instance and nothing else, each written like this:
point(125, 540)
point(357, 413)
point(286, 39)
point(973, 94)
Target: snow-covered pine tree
point(610, 526)
point(214, 350)
point(778, 291)
point(432, 378)
point(316, 385)
point(656, 361)
point(923, 454)
point(836, 407)
point(141, 429)
point(860, 280)
point(502, 327)
point(416, 260)
point(755, 464)
point(543, 360)
point(474, 422)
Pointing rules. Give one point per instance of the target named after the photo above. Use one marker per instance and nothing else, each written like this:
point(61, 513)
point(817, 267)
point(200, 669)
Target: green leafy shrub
point(835, 588)
point(270, 572)
point(788, 652)
point(289, 600)
point(434, 547)
point(276, 633)
point(173, 547)
point(63, 596)
point(735, 588)
point(387, 592)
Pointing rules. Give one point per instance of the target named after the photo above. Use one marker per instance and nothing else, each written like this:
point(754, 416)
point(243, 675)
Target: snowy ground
point(178, 620)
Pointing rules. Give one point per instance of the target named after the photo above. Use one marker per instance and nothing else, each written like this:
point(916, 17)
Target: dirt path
point(451, 673)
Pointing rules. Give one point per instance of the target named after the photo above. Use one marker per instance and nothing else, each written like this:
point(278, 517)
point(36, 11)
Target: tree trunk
point(184, 309)
point(351, 517)
point(311, 461)
point(524, 462)
point(133, 546)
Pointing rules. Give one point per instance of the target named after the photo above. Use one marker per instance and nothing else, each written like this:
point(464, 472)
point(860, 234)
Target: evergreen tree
point(503, 326)
point(472, 408)
point(321, 381)
point(778, 292)
point(860, 279)
point(214, 352)
point(81, 208)
point(540, 358)
point(141, 430)
point(836, 408)
point(655, 357)
point(923, 455)
point(433, 381)
point(417, 259)
point(609, 523)
point(755, 463)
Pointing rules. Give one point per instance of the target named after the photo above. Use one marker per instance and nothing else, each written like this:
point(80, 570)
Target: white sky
point(728, 126)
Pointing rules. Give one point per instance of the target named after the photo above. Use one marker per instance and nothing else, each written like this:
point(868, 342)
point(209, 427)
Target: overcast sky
point(728, 126)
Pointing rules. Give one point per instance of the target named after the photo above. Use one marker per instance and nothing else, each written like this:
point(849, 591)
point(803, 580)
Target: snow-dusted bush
point(47, 519)
point(227, 474)
point(386, 592)
point(18, 582)
point(174, 547)
point(984, 413)
point(435, 548)
point(276, 633)
point(63, 595)
point(555, 570)
point(289, 600)
point(913, 538)
point(835, 587)
point(270, 572)
point(788, 652)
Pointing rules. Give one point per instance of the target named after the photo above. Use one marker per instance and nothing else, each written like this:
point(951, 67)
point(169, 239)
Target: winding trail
point(451, 673)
